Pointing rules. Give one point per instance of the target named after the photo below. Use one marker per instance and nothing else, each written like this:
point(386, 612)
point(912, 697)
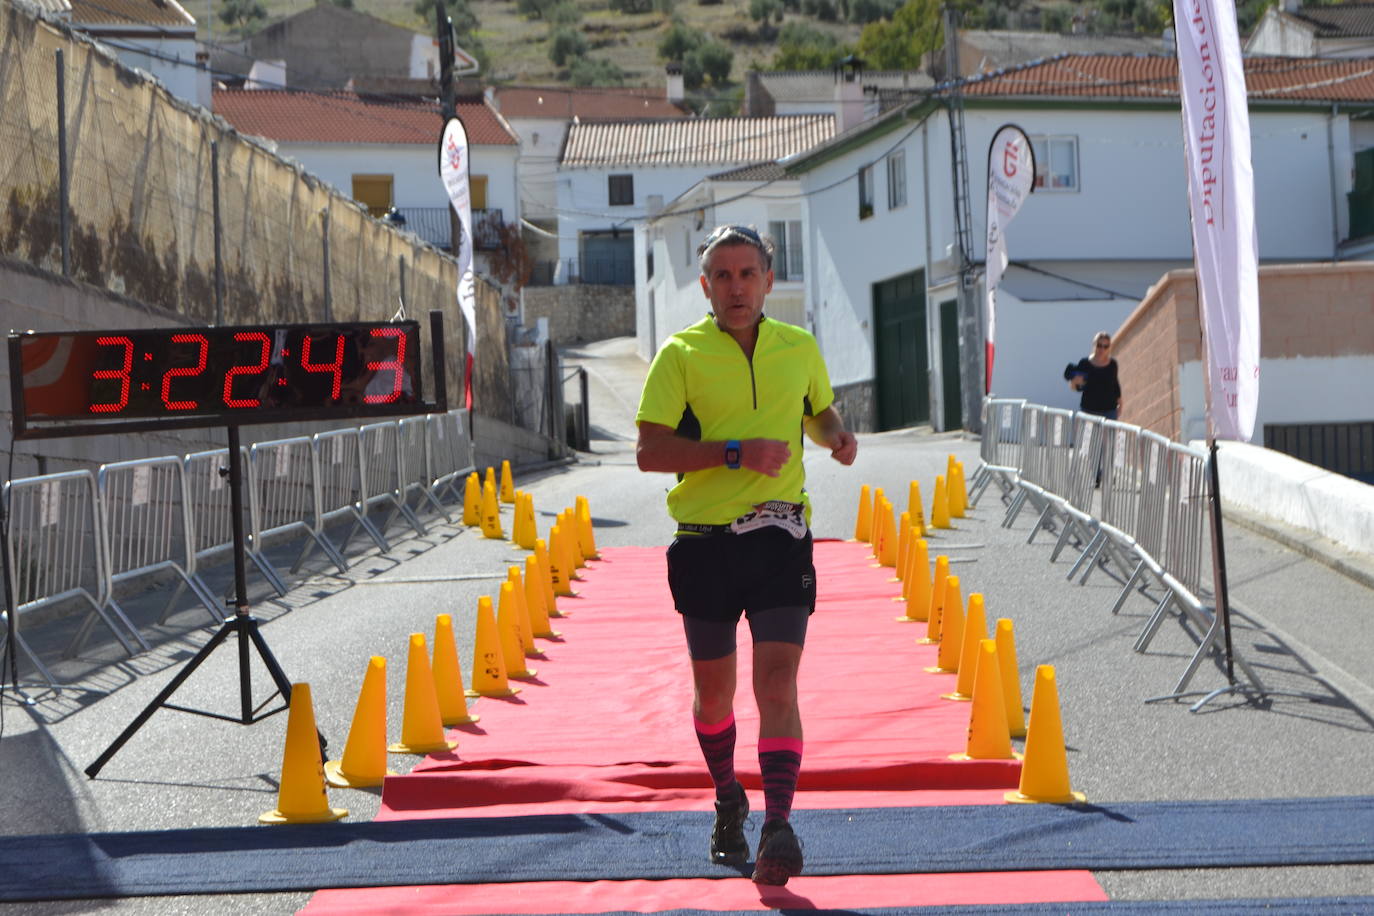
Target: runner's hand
point(767, 456)
point(847, 449)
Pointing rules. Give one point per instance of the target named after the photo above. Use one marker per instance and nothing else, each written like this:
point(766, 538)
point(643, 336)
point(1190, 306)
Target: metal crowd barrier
point(340, 483)
point(285, 498)
point(56, 555)
point(380, 448)
point(76, 535)
point(1150, 520)
point(148, 528)
point(451, 452)
point(415, 475)
point(1000, 449)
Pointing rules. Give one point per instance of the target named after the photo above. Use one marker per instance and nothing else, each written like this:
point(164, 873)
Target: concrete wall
point(579, 313)
point(1316, 349)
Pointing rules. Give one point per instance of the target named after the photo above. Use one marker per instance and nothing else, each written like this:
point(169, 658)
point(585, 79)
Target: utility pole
point(444, 29)
point(970, 325)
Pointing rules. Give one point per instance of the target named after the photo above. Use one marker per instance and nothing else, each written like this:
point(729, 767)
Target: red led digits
point(197, 369)
point(235, 371)
point(121, 373)
point(395, 365)
point(336, 367)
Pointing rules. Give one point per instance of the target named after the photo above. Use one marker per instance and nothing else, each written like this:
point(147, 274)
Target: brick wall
point(582, 312)
point(1306, 310)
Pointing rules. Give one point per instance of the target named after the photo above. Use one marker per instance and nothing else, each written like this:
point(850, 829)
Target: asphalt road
point(1303, 628)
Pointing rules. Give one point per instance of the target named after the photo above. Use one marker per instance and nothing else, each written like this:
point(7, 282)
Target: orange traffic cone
point(490, 478)
point(960, 488)
point(863, 525)
point(586, 535)
point(512, 651)
point(956, 508)
point(903, 548)
point(536, 601)
point(448, 675)
point(522, 613)
point(934, 619)
point(888, 554)
point(301, 797)
point(913, 505)
point(951, 629)
point(568, 520)
point(541, 552)
point(507, 484)
point(517, 519)
point(975, 631)
point(917, 582)
point(364, 756)
point(1045, 773)
point(422, 729)
point(472, 501)
point(530, 530)
point(558, 562)
point(491, 513)
point(939, 510)
point(878, 500)
point(1011, 678)
point(987, 727)
point(488, 660)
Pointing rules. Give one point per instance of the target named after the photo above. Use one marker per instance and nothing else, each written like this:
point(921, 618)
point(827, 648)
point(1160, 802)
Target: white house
point(668, 296)
point(540, 117)
point(1292, 29)
point(1108, 218)
point(384, 154)
point(614, 175)
point(156, 36)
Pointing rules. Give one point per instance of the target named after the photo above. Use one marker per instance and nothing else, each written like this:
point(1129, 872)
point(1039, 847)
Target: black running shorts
point(717, 576)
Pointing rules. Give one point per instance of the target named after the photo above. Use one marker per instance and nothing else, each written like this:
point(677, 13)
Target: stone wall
point(858, 405)
point(582, 312)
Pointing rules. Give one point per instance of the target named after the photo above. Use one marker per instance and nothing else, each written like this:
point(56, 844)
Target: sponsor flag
point(453, 169)
point(1011, 178)
point(1221, 196)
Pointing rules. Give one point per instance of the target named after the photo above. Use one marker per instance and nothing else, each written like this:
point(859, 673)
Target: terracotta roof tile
point(586, 104)
point(1348, 20)
point(698, 141)
point(130, 12)
point(340, 117)
point(1156, 77)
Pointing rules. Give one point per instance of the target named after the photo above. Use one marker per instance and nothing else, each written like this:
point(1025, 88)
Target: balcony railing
point(432, 225)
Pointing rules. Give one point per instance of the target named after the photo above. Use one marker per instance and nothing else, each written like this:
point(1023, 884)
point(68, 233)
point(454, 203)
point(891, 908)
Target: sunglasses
point(1101, 345)
point(721, 232)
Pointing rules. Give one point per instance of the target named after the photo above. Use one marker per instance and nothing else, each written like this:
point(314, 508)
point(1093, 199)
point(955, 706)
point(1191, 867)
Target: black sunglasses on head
point(721, 231)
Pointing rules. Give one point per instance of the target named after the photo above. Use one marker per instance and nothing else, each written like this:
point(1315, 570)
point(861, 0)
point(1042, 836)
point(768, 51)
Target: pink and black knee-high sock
point(779, 763)
point(717, 742)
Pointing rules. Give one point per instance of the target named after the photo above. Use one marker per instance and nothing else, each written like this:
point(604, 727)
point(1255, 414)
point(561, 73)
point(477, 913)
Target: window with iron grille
point(621, 190)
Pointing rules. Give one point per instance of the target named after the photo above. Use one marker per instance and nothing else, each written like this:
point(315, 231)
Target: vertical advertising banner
point(1221, 197)
point(453, 169)
point(1011, 177)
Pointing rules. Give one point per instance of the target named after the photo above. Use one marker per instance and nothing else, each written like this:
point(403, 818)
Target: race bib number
point(790, 517)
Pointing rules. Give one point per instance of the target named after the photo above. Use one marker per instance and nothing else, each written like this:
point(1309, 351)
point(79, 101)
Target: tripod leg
point(279, 677)
point(161, 698)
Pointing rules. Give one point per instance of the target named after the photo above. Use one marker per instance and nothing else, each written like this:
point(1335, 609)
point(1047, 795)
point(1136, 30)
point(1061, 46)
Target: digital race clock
point(84, 382)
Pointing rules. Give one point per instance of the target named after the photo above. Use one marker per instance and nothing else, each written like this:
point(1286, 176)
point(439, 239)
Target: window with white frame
point(865, 192)
point(1056, 163)
point(896, 179)
point(787, 248)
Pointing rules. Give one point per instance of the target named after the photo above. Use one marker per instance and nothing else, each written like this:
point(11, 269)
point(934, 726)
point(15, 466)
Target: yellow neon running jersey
point(703, 385)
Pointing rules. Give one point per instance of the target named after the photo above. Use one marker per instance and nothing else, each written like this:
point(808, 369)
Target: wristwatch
point(732, 454)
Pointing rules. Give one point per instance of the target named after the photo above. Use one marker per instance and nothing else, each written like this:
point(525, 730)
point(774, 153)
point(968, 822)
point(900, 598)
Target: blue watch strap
point(732, 454)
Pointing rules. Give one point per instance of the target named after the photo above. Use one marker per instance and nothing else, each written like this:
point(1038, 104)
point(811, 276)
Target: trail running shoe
point(728, 845)
point(780, 854)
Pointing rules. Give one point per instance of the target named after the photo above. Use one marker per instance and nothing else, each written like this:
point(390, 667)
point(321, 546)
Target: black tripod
point(241, 623)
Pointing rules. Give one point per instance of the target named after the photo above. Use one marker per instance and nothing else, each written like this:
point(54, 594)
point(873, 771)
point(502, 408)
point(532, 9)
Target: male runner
point(723, 407)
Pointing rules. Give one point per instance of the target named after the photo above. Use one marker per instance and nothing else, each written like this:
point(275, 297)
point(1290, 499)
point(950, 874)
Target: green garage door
point(899, 332)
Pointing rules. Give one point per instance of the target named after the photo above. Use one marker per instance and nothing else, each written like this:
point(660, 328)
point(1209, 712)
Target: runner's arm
point(660, 448)
point(826, 429)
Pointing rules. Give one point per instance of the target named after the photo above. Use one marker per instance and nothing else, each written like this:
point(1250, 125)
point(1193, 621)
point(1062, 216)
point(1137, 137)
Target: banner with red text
point(1011, 178)
point(453, 169)
point(1221, 195)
